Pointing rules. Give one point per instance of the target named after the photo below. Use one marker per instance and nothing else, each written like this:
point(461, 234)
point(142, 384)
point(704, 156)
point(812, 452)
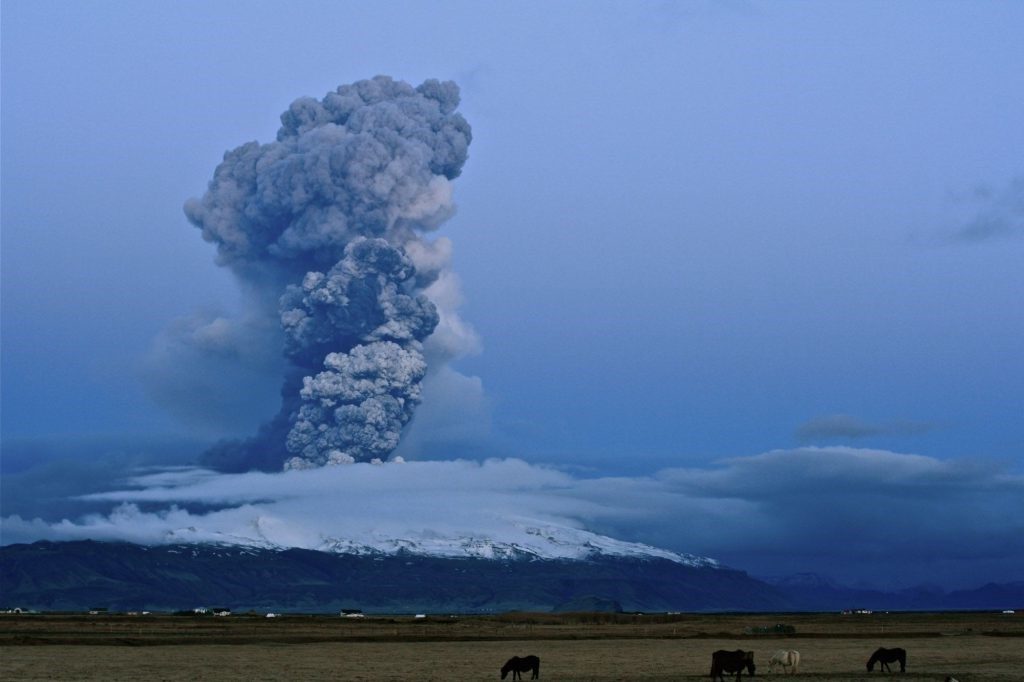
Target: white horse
point(786, 659)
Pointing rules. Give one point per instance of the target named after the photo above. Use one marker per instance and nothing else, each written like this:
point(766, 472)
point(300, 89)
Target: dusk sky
point(741, 279)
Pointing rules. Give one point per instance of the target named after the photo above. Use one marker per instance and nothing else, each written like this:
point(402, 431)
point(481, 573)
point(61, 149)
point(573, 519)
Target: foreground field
point(970, 647)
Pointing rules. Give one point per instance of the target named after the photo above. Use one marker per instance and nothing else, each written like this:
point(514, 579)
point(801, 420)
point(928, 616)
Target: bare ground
point(970, 647)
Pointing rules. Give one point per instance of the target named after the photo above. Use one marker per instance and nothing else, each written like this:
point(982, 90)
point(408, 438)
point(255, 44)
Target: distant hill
point(811, 592)
point(123, 576)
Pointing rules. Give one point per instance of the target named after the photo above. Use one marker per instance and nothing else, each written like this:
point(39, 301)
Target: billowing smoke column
point(324, 228)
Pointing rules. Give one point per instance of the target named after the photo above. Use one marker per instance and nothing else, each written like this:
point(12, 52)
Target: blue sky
point(687, 234)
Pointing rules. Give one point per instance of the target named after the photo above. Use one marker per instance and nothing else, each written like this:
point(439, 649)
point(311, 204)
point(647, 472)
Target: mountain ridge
point(82, 574)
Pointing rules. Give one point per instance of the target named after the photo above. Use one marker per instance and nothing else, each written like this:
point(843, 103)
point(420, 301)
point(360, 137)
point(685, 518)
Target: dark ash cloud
point(324, 228)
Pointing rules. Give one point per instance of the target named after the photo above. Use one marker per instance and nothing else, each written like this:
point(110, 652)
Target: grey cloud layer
point(844, 511)
point(847, 427)
point(1000, 214)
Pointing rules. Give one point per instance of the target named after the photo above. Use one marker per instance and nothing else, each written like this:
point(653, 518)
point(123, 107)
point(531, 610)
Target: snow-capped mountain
point(170, 577)
point(524, 541)
point(511, 539)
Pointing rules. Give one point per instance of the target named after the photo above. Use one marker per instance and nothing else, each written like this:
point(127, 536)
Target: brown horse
point(887, 656)
point(516, 665)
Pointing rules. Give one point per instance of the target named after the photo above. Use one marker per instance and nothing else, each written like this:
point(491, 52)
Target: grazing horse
point(786, 659)
point(516, 665)
point(731, 662)
point(887, 656)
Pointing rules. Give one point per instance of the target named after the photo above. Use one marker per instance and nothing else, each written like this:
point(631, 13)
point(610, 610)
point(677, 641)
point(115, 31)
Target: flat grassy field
point(968, 646)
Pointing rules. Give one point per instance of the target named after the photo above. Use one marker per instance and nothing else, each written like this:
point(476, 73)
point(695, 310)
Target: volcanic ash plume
point(324, 229)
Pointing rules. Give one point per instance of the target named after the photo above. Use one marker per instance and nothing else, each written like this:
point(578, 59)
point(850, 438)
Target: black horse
point(887, 656)
point(723, 661)
point(516, 665)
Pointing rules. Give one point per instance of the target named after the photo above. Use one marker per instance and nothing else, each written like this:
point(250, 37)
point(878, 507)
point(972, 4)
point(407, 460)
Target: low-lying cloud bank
point(855, 514)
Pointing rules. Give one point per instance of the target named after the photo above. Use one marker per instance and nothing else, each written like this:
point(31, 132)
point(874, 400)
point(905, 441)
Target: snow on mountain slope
point(513, 539)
